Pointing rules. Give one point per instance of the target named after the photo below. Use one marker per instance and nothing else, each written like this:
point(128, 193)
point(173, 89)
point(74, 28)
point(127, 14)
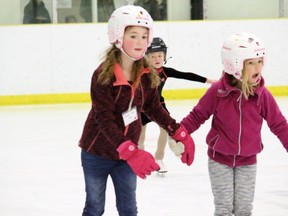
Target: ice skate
point(162, 169)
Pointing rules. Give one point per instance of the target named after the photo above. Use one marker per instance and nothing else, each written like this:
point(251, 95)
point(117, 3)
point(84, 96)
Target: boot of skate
point(163, 168)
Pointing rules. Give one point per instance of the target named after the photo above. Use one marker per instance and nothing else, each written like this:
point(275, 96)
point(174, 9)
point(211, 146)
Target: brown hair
point(113, 56)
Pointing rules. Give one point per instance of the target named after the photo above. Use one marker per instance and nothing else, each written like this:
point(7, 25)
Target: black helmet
point(157, 45)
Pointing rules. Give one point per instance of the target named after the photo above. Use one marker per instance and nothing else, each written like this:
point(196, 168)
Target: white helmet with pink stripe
point(128, 15)
point(237, 49)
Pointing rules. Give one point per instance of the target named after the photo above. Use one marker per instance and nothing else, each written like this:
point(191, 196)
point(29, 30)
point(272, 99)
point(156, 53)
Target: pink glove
point(183, 136)
point(141, 162)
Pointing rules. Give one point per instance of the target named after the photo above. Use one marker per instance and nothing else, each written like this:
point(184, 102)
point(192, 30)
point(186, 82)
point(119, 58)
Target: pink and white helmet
point(128, 15)
point(237, 49)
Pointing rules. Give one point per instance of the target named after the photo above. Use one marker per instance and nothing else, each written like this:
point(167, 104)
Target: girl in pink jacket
point(239, 102)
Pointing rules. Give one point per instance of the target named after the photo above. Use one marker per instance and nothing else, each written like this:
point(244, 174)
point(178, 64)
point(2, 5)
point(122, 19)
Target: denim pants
point(96, 171)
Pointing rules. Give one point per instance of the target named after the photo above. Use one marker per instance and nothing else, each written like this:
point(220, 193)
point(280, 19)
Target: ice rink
point(41, 174)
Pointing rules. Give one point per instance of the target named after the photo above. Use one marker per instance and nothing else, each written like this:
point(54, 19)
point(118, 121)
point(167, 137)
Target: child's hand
point(176, 147)
point(183, 136)
point(210, 81)
point(141, 162)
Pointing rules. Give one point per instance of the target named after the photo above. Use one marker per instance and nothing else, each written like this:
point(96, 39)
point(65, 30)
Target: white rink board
point(46, 59)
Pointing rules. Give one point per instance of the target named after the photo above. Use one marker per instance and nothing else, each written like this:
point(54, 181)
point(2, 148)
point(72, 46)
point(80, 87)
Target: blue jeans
point(96, 171)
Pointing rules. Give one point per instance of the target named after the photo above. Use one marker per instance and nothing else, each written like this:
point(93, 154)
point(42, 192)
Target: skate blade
point(161, 173)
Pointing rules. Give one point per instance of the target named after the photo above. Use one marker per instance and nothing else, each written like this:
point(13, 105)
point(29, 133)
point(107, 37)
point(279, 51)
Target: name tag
point(130, 116)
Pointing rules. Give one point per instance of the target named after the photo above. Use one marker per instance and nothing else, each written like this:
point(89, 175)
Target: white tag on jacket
point(130, 116)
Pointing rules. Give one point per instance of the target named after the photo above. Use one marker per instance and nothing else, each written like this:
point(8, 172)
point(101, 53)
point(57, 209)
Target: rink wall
point(54, 63)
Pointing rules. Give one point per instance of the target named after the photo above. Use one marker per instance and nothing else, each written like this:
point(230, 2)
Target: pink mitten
point(141, 162)
point(183, 136)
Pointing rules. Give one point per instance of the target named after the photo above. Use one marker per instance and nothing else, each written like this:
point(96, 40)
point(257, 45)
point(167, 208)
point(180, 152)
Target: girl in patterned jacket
point(156, 54)
point(121, 87)
point(239, 102)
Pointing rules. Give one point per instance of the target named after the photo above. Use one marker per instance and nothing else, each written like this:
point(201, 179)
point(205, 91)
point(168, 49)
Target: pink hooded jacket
point(235, 135)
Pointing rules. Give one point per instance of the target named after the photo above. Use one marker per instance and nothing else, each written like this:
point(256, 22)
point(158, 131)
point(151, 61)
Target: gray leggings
point(233, 188)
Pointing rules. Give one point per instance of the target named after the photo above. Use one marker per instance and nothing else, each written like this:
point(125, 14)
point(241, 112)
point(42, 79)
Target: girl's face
point(135, 41)
point(253, 68)
point(156, 59)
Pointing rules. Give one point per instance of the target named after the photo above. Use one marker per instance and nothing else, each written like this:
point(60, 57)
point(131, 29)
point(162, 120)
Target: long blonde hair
point(113, 56)
point(246, 88)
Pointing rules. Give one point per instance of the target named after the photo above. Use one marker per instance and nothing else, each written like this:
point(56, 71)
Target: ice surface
point(41, 175)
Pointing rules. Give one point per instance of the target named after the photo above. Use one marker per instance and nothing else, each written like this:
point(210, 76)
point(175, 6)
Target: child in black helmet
point(156, 54)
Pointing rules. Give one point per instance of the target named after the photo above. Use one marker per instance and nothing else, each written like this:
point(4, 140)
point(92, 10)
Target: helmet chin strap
point(166, 60)
point(133, 59)
point(122, 50)
point(119, 46)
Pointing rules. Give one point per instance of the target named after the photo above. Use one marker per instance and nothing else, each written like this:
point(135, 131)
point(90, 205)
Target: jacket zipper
point(129, 108)
point(240, 127)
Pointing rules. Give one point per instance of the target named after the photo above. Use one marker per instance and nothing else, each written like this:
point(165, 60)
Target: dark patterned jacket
point(104, 129)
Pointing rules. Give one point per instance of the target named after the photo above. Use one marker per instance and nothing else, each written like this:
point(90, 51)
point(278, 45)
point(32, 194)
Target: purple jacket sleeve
point(274, 117)
point(202, 111)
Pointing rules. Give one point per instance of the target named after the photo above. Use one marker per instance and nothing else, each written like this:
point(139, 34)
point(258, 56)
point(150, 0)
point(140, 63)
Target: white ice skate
point(163, 168)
